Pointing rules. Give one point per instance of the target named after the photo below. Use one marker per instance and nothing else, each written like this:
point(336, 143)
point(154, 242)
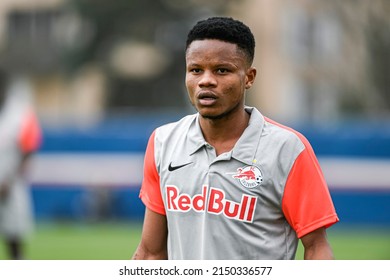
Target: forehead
point(213, 50)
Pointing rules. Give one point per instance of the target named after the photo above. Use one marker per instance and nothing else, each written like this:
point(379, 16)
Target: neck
point(223, 133)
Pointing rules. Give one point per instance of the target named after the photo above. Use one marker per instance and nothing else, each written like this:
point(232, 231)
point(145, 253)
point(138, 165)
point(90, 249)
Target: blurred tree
point(139, 44)
point(378, 45)
point(363, 69)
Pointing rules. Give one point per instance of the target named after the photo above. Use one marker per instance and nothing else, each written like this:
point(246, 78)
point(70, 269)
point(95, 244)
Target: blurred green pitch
point(117, 241)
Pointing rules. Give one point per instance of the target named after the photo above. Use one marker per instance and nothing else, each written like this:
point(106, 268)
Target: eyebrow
point(221, 64)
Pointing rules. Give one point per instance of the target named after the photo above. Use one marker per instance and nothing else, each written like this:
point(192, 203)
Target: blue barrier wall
point(80, 203)
point(353, 140)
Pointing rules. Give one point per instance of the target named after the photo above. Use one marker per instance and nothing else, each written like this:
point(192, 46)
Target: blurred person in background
point(227, 182)
point(20, 137)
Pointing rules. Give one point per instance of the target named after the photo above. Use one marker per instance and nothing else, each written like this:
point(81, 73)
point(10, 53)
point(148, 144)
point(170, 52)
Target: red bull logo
point(212, 201)
point(249, 176)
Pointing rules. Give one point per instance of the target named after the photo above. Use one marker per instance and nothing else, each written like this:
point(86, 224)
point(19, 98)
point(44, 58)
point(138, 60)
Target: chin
point(218, 114)
point(213, 116)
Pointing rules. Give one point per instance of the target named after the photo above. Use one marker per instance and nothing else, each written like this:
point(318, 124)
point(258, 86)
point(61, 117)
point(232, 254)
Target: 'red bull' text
point(212, 201)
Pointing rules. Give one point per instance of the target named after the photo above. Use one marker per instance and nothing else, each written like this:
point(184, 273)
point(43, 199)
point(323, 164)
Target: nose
point(207, 79)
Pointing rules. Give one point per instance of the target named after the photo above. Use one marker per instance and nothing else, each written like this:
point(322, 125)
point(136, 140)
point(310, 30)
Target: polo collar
point(195, 136)
point(246, 146)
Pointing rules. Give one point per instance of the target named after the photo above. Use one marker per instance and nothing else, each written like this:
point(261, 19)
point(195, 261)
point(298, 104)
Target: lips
point(207, 98)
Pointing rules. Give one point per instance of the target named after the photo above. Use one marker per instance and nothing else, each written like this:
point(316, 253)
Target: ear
point(250, 77)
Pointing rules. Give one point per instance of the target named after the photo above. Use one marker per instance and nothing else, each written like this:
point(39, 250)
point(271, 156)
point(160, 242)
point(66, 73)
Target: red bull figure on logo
point(245, 174)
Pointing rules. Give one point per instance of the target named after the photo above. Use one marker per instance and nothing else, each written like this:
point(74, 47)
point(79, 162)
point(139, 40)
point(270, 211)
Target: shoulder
point(284, 134)
point(273, 131)
point(285, 142)
point(178, 128)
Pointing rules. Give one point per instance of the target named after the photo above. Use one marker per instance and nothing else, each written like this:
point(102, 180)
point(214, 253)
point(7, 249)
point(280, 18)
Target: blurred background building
point(104, 74)
point(319, 61)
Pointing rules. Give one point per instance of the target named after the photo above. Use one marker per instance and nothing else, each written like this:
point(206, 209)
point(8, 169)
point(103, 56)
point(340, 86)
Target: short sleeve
point(150, 193)
point(306, 203)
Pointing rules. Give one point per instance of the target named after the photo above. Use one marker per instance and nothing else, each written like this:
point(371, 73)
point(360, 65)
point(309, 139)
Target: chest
point(219, 185)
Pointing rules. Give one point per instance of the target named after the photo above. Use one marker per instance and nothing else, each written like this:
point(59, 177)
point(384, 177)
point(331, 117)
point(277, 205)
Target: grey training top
point(253, 202)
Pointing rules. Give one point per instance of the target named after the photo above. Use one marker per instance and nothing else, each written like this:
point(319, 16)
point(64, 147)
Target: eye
point(222, 70)
point(194, 70)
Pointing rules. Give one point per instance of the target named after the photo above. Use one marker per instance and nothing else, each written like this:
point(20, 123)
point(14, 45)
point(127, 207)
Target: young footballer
point(228, 182)
point(20, 137)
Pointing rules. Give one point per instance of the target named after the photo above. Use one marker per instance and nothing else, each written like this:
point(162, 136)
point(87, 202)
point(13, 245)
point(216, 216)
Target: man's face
point(217, 75)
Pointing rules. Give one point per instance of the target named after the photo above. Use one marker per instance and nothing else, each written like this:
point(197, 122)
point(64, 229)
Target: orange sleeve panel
point(306, 203)
point(30, 137)
point(150, 193)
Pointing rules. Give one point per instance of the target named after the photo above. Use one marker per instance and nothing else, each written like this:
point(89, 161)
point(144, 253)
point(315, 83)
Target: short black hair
point(225, 29)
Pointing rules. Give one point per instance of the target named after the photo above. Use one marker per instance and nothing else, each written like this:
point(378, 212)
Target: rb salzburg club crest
point(249, 176)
